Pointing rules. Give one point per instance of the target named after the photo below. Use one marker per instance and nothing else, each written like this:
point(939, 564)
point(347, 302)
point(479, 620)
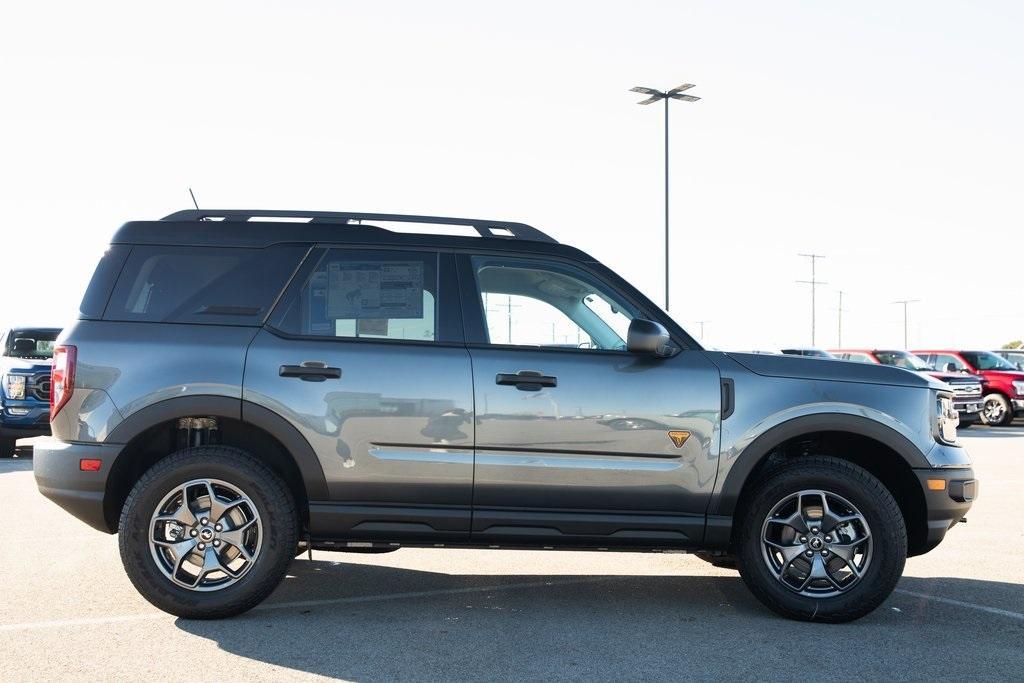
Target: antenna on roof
point(193, 198)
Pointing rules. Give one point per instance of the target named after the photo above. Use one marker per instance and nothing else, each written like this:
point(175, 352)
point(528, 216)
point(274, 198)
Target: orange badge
point(679, 438)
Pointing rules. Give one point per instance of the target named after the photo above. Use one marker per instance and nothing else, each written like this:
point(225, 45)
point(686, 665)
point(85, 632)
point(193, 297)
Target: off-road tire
point(273, 501)
point(867, 494)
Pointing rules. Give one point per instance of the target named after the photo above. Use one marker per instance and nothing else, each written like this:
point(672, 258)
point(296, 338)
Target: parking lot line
point(960, 603)
point(99, 621)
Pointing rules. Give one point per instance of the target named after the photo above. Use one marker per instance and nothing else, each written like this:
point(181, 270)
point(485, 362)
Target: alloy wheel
point(816, 543)
point(205, 535)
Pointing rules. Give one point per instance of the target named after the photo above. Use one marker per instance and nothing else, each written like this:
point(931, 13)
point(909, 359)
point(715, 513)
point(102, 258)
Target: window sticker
point(375, 289)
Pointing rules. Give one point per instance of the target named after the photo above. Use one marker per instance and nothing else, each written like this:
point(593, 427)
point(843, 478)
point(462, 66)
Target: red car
point(967, 390)
point(1003, 382)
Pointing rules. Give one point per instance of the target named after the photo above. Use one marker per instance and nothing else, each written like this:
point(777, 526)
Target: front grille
point(39, 387)
point(966, 390)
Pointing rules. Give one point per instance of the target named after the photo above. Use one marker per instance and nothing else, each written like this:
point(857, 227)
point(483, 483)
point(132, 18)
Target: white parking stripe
point(968, 605)
point(94, 621)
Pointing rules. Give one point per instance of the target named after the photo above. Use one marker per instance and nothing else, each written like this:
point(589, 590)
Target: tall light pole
point(813, 282)
point(905, 302)
point(655, 95)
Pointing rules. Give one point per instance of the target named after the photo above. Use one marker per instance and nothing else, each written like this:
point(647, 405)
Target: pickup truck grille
point(966, 389)
point(39, 387)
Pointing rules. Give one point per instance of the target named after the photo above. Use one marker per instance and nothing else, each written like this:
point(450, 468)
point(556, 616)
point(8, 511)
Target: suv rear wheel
point(821, 540)
point(208, 532)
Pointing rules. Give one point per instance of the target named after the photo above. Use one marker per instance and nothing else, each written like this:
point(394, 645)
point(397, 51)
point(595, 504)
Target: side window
point(360, 294)
point(535, 303)
point(944, 360)
point(201, 285)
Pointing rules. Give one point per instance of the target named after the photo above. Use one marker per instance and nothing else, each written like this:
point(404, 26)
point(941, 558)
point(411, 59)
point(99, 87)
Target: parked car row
point(988, 385)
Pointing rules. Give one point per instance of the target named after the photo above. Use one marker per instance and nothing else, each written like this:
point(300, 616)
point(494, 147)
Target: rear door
point(577, 440)
point(365, 357)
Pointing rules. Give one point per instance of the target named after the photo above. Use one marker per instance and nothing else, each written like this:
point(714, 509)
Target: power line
point(813, 282)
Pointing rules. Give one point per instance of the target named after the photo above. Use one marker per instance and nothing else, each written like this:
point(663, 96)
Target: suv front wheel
point(208, 532)
point(821, 540)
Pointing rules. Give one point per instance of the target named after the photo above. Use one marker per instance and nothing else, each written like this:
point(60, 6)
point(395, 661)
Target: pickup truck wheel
point(7, 448)
point(208, 532)
point(821, 540)
point(996, 411)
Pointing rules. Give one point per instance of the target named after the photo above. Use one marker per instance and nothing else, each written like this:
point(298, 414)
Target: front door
point(578, 440)
point(360, 357)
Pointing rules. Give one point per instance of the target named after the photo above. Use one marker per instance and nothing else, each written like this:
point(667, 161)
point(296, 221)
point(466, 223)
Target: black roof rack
point(485, 228)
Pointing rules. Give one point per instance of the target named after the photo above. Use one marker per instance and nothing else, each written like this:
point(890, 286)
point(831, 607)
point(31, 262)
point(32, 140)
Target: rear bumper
point(59, 478)
point(945, 506)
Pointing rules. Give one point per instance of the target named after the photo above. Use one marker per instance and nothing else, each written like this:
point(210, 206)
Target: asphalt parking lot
point(68, 611)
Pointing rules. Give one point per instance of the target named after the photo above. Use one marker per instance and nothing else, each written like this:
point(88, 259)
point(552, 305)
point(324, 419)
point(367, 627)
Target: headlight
point(1019, 388)
point(947, 419)
point(14, 386)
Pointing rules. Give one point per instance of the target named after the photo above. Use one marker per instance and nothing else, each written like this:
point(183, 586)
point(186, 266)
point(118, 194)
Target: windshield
point(986, 360)
point(902, 359)
point(30, 343)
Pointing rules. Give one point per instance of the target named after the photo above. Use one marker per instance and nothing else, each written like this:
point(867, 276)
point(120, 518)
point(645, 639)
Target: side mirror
point(648, 337)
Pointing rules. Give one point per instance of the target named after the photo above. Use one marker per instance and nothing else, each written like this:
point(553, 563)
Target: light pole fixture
point(905, 303)
point(654, 96)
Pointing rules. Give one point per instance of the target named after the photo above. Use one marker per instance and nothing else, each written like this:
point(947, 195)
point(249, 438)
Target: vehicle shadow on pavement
point(366, 622)
point(995, 432)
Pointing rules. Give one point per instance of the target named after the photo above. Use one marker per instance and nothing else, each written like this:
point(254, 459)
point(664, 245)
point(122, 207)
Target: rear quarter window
point(201, 285)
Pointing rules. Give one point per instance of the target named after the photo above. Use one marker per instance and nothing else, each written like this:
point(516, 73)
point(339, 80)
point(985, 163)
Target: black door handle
point(310, 371)
point(526, 380)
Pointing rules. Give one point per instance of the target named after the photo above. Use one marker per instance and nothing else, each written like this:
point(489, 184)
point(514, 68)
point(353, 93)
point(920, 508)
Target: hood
point(1008, 375)
point(800, 367)
point(8, 363)
point(954, 377)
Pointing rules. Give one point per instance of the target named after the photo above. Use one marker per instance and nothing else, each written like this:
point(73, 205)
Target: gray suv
point(243, 385)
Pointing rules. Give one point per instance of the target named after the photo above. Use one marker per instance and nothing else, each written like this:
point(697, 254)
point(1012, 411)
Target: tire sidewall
point(888, 552)
point(278, 539)
point(1007, 416)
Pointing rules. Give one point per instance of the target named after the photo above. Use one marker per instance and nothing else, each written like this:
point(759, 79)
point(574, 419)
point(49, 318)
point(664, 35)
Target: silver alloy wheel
point(816, 543)
point(994, 410)
point(205, 535)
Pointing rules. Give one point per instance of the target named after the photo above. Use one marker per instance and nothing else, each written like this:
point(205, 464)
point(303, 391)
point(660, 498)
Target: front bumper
point(968, 406)
point(946, 506)
point(35, 420)
point(59, 478)
point(1018, 405)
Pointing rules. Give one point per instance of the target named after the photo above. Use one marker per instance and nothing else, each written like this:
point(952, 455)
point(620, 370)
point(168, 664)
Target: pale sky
point(884, 135)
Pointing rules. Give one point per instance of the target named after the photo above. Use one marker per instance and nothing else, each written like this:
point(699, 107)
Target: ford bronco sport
point(238, 388)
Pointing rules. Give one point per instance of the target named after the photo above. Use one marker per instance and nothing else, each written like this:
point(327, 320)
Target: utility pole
point(655, 95)
point(905, 302)
point(813, 282)
point(840, 342)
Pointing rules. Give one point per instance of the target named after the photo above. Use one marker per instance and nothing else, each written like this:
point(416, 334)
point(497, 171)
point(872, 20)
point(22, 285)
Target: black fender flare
point(236, 409)
point(726, 501)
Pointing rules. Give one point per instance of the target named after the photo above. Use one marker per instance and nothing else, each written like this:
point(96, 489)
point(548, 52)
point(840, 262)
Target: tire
point(7, 448)
point(266, 505)
point(997, 411)
point(884, 544)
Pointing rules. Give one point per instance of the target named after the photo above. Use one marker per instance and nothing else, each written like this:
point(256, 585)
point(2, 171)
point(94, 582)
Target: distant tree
point(1018, 344)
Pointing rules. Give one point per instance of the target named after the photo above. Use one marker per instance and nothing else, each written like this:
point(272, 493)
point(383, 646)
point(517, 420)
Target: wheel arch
point(149, 435)
point(882, 451)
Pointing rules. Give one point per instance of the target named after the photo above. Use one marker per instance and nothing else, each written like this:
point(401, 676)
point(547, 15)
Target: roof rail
point(485, 228)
